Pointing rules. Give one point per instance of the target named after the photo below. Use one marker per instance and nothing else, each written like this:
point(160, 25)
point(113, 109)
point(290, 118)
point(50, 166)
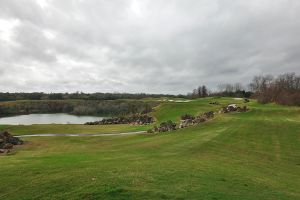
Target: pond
point(57, 118)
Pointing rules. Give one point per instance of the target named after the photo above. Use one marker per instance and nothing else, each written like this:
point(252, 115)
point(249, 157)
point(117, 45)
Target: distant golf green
point(252, 155)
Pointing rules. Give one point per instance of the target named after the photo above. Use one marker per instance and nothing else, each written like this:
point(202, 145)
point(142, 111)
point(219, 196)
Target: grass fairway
point(71, 128)
point(253, 155)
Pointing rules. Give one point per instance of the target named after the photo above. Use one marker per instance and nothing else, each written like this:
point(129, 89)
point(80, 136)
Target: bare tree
point(285, 89)
point(204, 91)
point(238, 87)
point(199, 90)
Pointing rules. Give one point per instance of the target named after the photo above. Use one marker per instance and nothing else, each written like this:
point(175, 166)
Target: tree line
point(7, 96)
point(224, 90)
point(283, 89)
point(77, 107)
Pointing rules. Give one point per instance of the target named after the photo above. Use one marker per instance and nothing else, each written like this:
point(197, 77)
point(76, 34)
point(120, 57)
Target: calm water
point(58, 118)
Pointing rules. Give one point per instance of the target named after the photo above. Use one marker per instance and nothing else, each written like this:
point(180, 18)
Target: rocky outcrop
point(190, 120)
point(233, 108)
point(230, 108)
point(165, 127)
point(138, 119)
point(209, 114)
point(7, 142)
point(185, 122)
point(187, 116)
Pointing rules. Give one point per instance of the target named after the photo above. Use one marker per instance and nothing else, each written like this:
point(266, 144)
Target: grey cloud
point(145, 46)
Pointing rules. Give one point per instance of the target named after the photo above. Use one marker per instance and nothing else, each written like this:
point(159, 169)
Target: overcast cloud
point(153, 46)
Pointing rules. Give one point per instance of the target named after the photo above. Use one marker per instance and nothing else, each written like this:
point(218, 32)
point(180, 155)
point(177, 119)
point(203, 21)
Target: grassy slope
point(173, 110)
point(254, 155)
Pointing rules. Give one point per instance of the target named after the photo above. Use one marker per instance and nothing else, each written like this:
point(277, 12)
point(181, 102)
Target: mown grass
point(71, 128)
point(253, 155)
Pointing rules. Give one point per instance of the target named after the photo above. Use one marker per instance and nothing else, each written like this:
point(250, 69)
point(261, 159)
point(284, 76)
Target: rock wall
point(138, 119)
point(190, 120)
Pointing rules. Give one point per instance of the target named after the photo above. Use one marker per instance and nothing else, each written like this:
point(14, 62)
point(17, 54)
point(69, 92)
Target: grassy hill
point(253, 155)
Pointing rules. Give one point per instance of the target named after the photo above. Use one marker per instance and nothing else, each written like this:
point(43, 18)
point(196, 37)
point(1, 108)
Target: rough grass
point(253, 155)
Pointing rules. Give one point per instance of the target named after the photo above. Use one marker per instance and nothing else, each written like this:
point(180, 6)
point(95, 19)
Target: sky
point(151, 46)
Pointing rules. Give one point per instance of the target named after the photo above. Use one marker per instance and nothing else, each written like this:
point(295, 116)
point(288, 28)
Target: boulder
point(164, 127)
point(184, 123)
point(4, 151)
point(8, 146)
point(209, 114)
point(7, 141)
point(230, 108)
point(6, 137)
point(187, 116)
point(200, 119)
point(234, 107)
